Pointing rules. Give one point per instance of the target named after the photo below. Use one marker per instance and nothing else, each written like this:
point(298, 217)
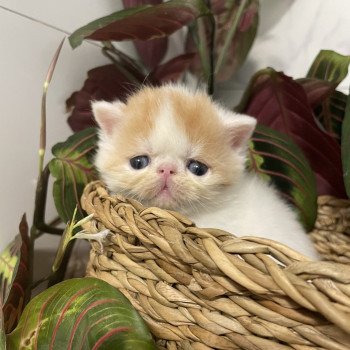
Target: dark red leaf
point(217, 6)
point(103, 83)
point(281, 103)
point(152, 51)
point(330, 113)
point(133, 3)
point(242, 41)
point(316, 90)
point(141, 23)
point(171, 70)
point(248, 18)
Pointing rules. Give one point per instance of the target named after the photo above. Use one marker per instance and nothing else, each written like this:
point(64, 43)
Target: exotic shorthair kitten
point(176, 149)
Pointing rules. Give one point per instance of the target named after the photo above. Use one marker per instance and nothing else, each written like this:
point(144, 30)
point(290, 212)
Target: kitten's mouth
point(164, 192)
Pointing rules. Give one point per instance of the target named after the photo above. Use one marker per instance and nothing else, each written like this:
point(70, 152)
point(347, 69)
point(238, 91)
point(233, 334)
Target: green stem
point(230, 35)
point(58, 275)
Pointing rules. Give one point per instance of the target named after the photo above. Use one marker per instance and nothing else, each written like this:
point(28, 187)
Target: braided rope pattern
point(206, 289)
point(331, 235)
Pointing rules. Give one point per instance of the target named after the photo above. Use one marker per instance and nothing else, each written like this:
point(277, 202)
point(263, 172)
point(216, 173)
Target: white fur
point(252, 208)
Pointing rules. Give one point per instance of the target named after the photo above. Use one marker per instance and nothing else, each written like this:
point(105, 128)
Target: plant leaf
point(171, 70)
point(103, 83)
point(281, 103)
point(141, 23)
point(328, 104)
point(64, 241)
point(151, 52)
point(330, 113)
point(345, 147)
point(14, 277)
point(329, 66)
point(276, 158)
point(198, 39)
point(81, 313)
point(316, 90)
point(233, 44)
point(332, 68)
point(72, 168)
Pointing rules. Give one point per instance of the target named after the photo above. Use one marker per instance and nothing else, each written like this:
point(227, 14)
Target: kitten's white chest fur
point(251, 208)
point(176, 149)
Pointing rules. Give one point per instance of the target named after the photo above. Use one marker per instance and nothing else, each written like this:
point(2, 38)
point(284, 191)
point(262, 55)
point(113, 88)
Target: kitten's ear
point(107, 114)
point(240, 128)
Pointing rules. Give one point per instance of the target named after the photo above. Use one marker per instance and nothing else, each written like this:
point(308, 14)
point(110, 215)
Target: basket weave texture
point(331, 234)
point(207, 289)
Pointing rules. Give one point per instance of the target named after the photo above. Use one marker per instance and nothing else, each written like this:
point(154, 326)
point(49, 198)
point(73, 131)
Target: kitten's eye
point(139, 162)
point(197, 168)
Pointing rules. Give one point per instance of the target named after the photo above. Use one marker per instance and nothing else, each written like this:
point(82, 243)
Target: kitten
point(176, 149)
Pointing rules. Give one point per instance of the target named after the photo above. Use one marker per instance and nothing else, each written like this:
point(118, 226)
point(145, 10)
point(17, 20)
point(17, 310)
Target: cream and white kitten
point(173, 148)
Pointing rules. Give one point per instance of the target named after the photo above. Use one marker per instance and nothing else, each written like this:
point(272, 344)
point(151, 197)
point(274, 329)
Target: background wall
point(290, 35)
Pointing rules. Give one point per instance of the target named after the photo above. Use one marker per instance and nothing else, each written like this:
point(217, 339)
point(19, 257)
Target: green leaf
point(69, 233)
point(276, 158)
point(345, 147)
point(80, 313)
point(328, 104)
point(330, 66)
point(330, 113)
point(65, 239)
point(72, 167)
point(14, 277)
point(142, 22)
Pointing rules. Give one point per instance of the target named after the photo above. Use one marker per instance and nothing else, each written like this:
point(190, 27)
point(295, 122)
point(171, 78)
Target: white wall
point(290, 35)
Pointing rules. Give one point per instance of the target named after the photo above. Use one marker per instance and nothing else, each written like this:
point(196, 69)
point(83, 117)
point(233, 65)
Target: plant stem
point(38, 224)
point(124, 63)
point(211, 75)
point(120, 67)
point(230, 35)
point(32, 237)
point(125, 59)
point(42, 146)
point(58, 275)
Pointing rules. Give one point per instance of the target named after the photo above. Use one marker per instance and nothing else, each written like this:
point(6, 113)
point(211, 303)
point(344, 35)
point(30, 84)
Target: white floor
point(291, 34)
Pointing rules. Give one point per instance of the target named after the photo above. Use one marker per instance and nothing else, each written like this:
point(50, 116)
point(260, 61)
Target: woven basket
point(331, 234)
point(206, 289)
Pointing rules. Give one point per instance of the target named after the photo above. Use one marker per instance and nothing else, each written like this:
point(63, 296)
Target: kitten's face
point(170, 148)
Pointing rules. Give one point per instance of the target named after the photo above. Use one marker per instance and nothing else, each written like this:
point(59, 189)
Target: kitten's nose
point(167, 170)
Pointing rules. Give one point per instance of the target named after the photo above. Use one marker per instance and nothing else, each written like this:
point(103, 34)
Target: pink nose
point(166, 170)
